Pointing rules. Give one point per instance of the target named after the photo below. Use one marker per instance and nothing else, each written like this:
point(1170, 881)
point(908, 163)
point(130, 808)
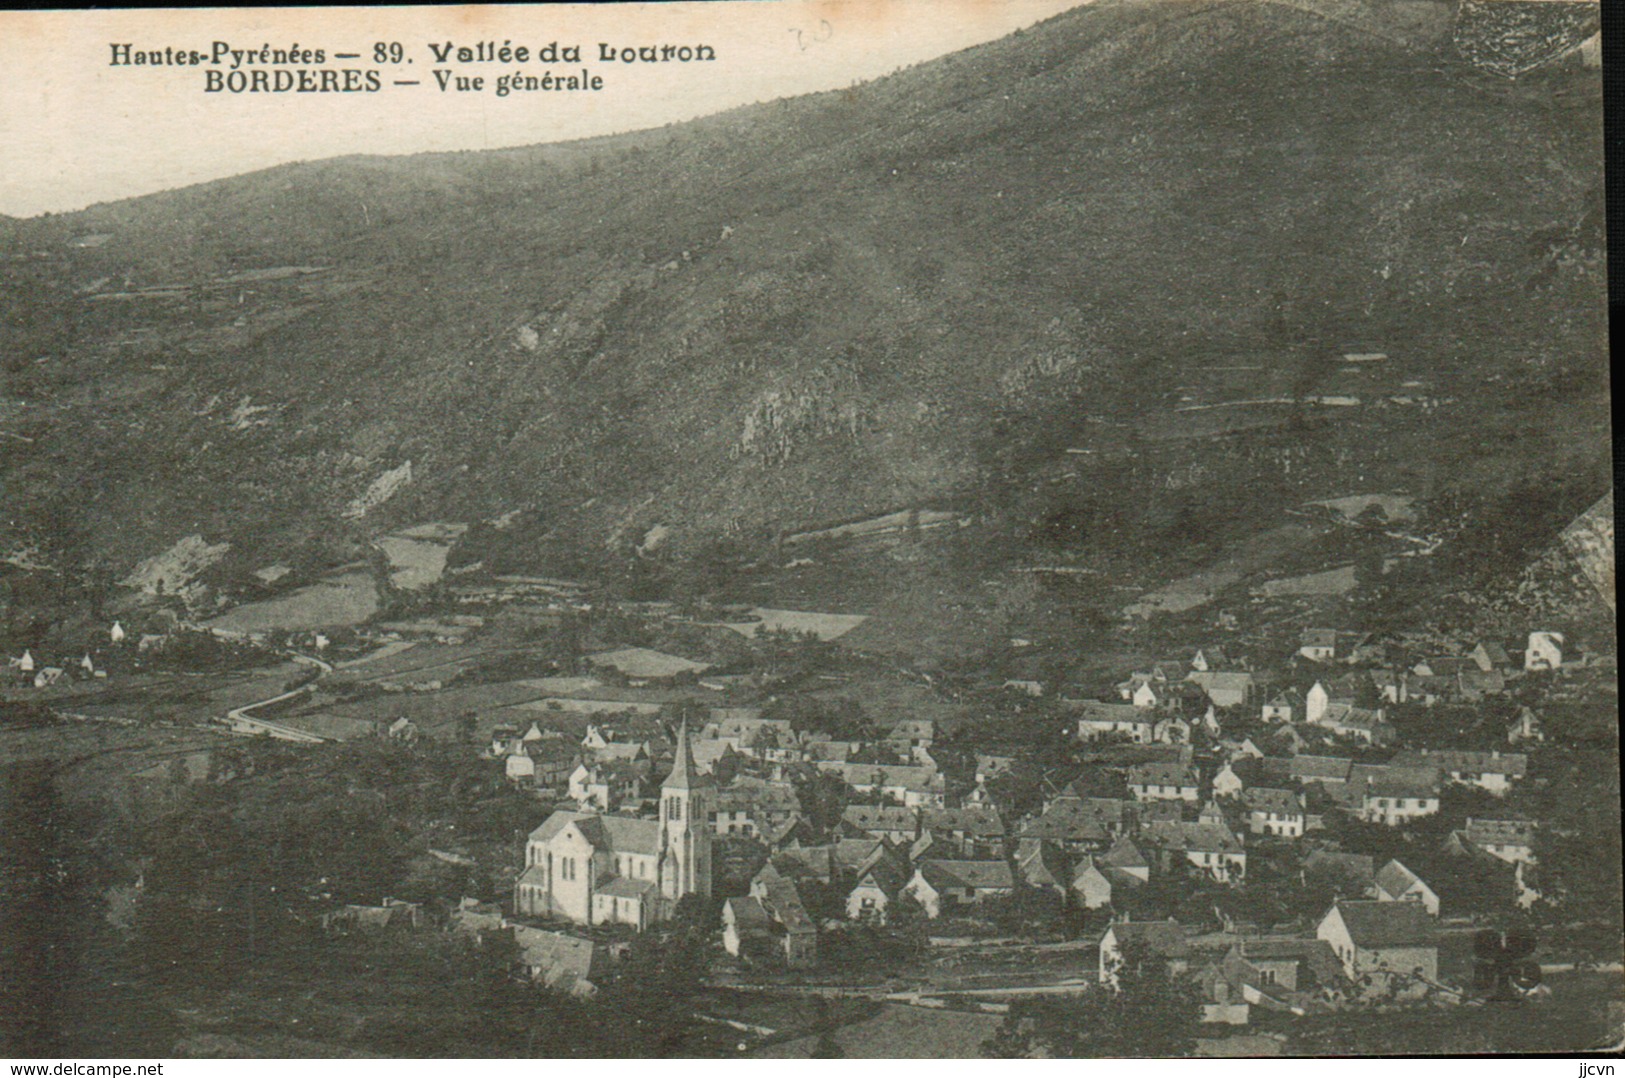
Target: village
point(1331, 827)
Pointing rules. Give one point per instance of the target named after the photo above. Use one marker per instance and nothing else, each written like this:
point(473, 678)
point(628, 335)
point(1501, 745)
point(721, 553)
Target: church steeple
point(685, 825)
point(684, 775)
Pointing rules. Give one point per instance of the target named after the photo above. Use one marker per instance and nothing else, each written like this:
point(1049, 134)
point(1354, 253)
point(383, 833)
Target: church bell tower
point(686, 804)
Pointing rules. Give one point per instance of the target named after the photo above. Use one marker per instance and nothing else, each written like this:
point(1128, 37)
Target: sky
point(75, 129)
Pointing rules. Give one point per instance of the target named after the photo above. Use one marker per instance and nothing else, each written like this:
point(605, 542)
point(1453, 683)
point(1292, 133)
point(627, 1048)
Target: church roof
point(627, 834)
point(621, 887)
point(555, 823)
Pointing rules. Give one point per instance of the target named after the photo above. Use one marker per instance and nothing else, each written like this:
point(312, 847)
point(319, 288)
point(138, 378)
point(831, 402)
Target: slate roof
point(562, 960)
point(815, 861)
point(908, 777)
point(748, 914)
point(1193, 837)
point(1065, 826)
point(1268, 799)
point(783, 902)
point(1317, 954)
point(1499, 832)
point(973, 875)
point(1514, 764)
point(555, 823)
point(621, 887)
point(1399, 789)
point(1378, 925)
point(981, 821)
point(880, 818)
point(849, 853)
point(1161, 774)
point(1101, 711)
point(1039, 863)
point(885, 874)
point(1358, 865)
point(626, 833)
point(1165, 939)
point(1395, 879)
point(1319, 768)
point(747, 793)
point(1124, 854)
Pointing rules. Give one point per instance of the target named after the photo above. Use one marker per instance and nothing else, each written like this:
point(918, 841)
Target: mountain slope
point(921, 290)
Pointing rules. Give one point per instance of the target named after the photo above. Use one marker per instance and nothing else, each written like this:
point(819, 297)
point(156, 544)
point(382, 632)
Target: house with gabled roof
point(1526, 727)
point(1069, 824)
point(939, 884)
point(1323, 769)
point(741, 724)
point(975, 830)
point(1489, 656)
point(879, 883)
point(890, 822)
point(754, 806)
point(1039, 863)
point(1472, 685)
point(1171, 730)
point(808, 862)
point(1091, 888)
point(1211, 658)
point(1282, 973)
point(1398, 799)
point(608, 785)
point(1286, 737)
point(913, 786)
point(1164, 782)
point(1381, 937)
point(1284, 706)
point(1156, 941)
point(1143, 695)
point(1493, 771)
point(1396, 883)
point(1225, 688)
point(560, 961)
point(1511, 839)
point(1125, 857)
point(747, 931)
point(1227, 783)
point(1098, 720)
point(1275, 812)
point(1544, 651)
point(1318, 645)
point(545, 763)
point(1214, 848)
point(787, 917)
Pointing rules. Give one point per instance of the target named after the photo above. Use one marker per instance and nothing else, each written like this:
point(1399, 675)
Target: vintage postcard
point(807, 528)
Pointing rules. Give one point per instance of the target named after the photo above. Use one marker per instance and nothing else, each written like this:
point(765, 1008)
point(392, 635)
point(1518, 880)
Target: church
point(596, 869)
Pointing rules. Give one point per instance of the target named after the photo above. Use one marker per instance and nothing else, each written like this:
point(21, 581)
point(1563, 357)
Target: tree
point(823, 798)
point(1151, 1013)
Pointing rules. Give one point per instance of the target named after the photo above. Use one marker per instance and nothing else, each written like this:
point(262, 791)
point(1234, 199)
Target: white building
point(591, 868)
point(1545, 651)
